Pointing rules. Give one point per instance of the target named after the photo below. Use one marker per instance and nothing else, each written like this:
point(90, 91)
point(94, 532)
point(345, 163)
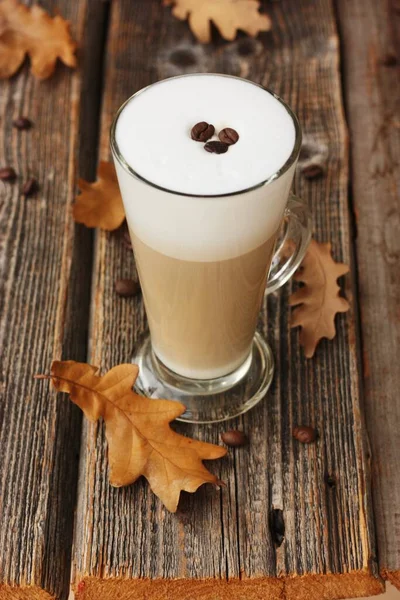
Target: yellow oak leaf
point(140, 440)
point(30, 30)
point(100, 203)
point(318, 300)
point(227, 15)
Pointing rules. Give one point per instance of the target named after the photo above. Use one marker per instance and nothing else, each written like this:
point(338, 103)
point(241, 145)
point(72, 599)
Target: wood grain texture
point(219, 544)
point(370, 36)
point(45, 265)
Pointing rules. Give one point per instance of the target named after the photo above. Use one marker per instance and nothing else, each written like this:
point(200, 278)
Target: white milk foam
point(153, 136)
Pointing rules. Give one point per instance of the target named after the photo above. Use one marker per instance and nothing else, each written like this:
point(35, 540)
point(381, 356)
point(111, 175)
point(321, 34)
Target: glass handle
point(292, 243)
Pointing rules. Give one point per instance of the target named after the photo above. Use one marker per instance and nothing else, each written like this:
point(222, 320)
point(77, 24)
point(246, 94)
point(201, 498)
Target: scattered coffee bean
point(234, 438)
point(389, 60)
point(30, 188)
point(304, 434)
point(216, 147)
point(127, 287)
point(312, 171)
point(22, 123)
point(228, 136)
point(7, 174)
point(201, 132)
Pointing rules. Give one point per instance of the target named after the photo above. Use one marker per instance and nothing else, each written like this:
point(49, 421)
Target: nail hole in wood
point(183, 58)
point(330, 480)
point(277, 526)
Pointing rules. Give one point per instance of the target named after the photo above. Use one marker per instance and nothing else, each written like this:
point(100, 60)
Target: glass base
point(207, 400)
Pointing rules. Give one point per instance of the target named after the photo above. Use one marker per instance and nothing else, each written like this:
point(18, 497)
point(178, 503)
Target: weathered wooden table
point(327, 60)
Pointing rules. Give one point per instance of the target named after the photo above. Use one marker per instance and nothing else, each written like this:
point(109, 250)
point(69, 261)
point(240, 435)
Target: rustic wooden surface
point(219, 545)
point(371, 35)
point(44, 300)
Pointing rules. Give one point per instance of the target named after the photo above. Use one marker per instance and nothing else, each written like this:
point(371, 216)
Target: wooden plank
point(44, 299)
point(371, 41)
point(219, 544)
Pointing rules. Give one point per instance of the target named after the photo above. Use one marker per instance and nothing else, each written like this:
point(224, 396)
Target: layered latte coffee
point(203, 223)
point(202, 314)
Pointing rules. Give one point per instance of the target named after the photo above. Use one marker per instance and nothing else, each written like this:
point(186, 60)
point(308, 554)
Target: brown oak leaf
point(30, 30)
point(100, 203)
point(318, 300)
point(227, 15)
point(140, 440)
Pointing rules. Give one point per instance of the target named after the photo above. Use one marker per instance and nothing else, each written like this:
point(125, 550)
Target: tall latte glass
point(204, 227)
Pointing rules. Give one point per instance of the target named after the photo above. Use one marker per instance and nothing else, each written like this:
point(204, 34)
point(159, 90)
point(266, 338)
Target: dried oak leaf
point(30, 30)
point(227, 15)
point(318, 300)
point(100, 203)
point(140, 440)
